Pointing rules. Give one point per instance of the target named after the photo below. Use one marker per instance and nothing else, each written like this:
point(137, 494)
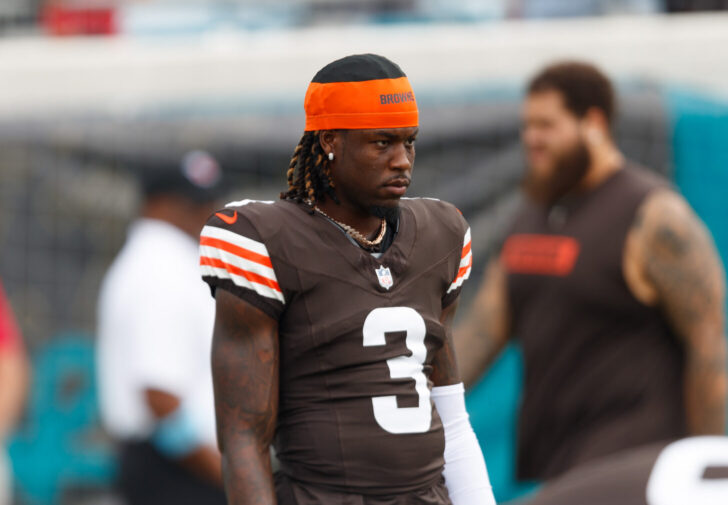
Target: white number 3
point(396, 319)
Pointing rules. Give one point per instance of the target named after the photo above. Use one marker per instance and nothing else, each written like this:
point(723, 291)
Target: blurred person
point(334, 305)
point(690, 471)
point(611, 284)
point(155, 332)
point(14, 389)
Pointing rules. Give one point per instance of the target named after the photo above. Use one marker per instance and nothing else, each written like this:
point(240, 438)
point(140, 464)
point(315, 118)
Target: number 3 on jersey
point(397, 319)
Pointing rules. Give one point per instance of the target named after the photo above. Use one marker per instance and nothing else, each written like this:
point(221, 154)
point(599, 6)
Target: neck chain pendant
point(361, 239)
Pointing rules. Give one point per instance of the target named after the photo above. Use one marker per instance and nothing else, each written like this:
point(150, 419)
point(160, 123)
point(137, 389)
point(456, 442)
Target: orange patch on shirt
point(540, 254)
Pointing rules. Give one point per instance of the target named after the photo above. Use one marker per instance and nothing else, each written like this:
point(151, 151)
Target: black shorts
point(290, 492)
point(146, 477)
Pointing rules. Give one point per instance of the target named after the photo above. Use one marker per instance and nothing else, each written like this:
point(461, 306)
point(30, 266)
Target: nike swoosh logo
point(228, 219)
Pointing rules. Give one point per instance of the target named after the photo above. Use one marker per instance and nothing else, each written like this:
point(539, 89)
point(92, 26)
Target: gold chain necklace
point(361, 239)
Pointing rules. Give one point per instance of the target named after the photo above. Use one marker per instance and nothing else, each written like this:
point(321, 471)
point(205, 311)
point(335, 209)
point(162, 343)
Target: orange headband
point(378, 103)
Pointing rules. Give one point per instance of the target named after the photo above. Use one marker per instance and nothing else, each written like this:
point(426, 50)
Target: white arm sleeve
point(466, 476)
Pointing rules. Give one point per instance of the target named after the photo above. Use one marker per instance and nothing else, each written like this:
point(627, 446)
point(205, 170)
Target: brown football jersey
point(357, 335)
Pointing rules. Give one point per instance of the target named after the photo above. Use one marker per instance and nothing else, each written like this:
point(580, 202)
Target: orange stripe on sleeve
point(466, 249)
point(463, 270)
point(237, 250)
point(252, 277)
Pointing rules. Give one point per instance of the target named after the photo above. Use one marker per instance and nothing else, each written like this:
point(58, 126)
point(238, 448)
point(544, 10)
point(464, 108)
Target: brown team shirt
point(357, 335)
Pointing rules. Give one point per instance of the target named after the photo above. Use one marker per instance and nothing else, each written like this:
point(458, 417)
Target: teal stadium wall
point(60, 454)
point(700, 152)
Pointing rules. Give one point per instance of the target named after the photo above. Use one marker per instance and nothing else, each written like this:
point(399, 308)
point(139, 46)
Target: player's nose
point(402, 158)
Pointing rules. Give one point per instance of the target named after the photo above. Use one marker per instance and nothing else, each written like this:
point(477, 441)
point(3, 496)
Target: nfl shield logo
point(385, 277)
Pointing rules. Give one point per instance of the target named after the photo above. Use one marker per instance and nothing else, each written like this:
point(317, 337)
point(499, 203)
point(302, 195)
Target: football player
point(610, 283)
point(334, 305)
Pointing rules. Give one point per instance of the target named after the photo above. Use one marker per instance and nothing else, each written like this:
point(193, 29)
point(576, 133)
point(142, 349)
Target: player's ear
point(327, 139)
point(595, 126)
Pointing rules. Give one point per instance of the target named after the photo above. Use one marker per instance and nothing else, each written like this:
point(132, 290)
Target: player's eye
point(410, 142)
point(382, 143)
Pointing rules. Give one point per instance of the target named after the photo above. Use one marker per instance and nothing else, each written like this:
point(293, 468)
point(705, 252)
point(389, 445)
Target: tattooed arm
point(684, 276)
point(485, 331)
point(245, 377)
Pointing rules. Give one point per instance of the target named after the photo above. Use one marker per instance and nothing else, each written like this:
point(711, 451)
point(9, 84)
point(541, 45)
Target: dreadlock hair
point(309, 173)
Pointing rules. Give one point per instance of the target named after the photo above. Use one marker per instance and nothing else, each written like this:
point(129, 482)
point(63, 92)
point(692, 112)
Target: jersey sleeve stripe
point(238, 261)
point(228, 255)
point(261, 285)
point(465, 269)
point(242, 203)
point(234, 239)
point(466, 249)
point(459, 281)
point(466, 258)
point(251, 276)
point(466, 263)
point(237, 251)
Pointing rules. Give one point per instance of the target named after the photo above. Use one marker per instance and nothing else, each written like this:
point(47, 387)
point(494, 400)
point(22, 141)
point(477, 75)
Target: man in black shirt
point(611, 284)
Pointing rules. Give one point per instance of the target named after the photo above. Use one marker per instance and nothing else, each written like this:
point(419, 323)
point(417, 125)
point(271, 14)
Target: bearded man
point(611, 284)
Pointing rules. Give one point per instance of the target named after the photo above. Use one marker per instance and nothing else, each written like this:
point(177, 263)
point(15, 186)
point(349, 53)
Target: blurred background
point(93, 89)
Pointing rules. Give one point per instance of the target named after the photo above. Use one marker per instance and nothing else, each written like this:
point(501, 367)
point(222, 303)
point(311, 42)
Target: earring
point(331, 156)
